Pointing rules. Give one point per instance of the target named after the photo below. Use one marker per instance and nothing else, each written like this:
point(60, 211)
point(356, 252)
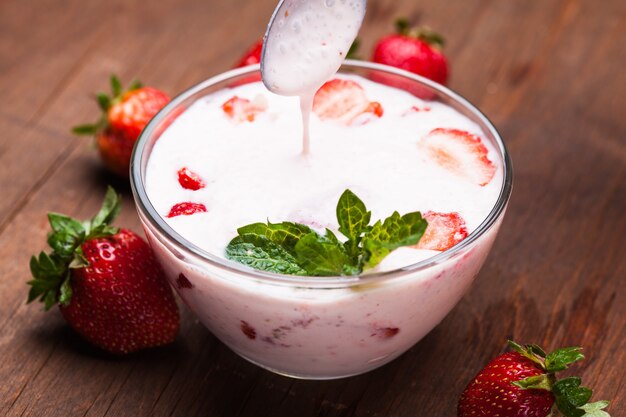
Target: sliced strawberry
point(460, 152)
point(241, 109)
point(189, 179)
point(344, 100)
point(444, 231)
point(186, 209)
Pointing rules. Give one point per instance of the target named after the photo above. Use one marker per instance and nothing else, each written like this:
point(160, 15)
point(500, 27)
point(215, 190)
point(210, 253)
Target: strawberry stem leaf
point(424, 33)
point(429, 36)
point(537, 350)
point(569, 396)
point(110, 209)
point(90, 129)
point(135, 85)
point(560, 359)
point(116, 86)
point(402, 25)
point(104, 101)
point(65, 291)
point(595, 409)
point(542, 381)
point(527, 352)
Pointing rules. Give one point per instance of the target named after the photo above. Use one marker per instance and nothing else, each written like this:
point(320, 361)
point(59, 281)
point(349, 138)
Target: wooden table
point(550, 74)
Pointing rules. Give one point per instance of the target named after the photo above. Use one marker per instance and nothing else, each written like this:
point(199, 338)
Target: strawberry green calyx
point(571, 399)
point(423, 33)
point(105, 102)
point(51, 271)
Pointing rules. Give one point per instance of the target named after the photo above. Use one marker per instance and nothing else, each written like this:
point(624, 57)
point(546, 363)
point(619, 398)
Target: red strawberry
point(186, 209)
point(135, 109)
point(444, 230)
point(343, 100)
point(108, 284)
point(125, 114)
point(415, 50)
point(189, 179)
point(523, 384)
point(242, 110)
point(252, 55)
point(460, 152)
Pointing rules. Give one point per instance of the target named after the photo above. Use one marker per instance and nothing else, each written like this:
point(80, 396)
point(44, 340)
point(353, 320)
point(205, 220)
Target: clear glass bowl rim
point(149, 213)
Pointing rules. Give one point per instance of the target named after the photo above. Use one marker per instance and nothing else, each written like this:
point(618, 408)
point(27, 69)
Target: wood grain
point(550, 75)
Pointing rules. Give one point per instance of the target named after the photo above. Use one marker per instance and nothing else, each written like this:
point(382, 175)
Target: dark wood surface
point(550, 74)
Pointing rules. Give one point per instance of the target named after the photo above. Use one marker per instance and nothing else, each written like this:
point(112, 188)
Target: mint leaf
point(323, 256)
point(394, 232)
point(285, 234)
point(265, 246)
point(561, 358)
point(258, 252)
point(353, 219)
point(352, 215)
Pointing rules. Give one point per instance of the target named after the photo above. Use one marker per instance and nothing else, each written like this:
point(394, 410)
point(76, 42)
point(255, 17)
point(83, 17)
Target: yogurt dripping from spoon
point(304, 45)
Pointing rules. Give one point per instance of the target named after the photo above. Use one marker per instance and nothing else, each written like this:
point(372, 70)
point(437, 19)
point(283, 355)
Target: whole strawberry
point(107, 283)
point(523, 384)
point(125, 114)
point(417, 50)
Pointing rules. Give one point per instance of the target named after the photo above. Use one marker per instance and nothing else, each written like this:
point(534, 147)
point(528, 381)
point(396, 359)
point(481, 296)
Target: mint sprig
point(296, 249)
point(571, 399)
point(394, 232)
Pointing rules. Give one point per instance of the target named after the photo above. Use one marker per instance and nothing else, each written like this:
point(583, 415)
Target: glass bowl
point(318, 328)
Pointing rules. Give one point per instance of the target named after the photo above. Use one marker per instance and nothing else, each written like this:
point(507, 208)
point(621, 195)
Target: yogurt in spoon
point(304, 45)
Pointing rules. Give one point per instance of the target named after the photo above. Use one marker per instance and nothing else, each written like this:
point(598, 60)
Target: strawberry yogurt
point(394, 150)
